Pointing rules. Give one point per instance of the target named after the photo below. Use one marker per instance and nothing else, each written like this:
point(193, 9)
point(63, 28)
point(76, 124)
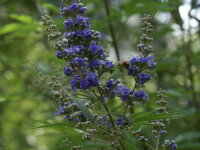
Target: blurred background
point(26, 101)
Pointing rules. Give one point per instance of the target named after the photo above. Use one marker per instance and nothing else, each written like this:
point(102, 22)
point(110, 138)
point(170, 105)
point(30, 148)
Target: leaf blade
point(82, 107)
point(150, 117)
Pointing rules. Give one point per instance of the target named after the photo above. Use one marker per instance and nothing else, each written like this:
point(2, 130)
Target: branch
point(114, 39)
point(187, 49)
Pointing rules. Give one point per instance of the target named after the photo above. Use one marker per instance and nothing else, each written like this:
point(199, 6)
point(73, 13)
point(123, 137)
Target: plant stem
point(187, 50)
point(125, 110)
point(117, 107)
point(128, 104)
point(121, 145)
point(149, 146)
point(105, 106)
point(187, 47)
point(108, 113)
point(157, 142)
point(94, 141)
point(114, 40)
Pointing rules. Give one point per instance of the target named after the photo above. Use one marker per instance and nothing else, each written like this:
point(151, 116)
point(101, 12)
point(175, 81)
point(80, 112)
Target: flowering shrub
point(86, 64)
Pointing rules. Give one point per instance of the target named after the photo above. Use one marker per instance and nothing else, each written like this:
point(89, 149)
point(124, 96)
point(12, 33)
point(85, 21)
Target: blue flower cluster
point(85, 57)
point(103, 119)
point(124, 92)
point(110, 83)
point(68, 109)
point(169, 145)
point(86, 62)
point(138, 65)
point(122, 121)
point(140, 96)
point(173, 146)
point(80, 22)
point(69, 10)
point(140, 68)
point(60, 111)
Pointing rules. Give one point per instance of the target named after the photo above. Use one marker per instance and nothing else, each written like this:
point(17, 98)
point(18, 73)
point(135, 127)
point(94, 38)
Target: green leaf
point(190, 146)
point(138, 6)
point(187, 136)
point(127, 145)
point(87, 96)
point(51, 7)
point(64, 123)
point(82, 107)
point(143, 124)
point(22, 18)
point(149, 117)
point(91, 145)
point(53, 125)
point(12, 27)
point(142, 114)
point(174, 93)
point(58, 126)
point(119, 115)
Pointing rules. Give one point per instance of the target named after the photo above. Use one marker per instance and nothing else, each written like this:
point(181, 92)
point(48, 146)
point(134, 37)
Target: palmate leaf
point(157, 117)
point(91, 145)
point(188, 136)
point(67, 126)
point(63, 130)
point(138, 6)
point(149, 116)
point(23, 18)
point(174, 93)
point(55, 125)
point(128, 146)
point(135, 115)
point(190, 146)
point(82, 107)
point(12, 27)
point(51, 7)
point(87, 96)
point(25, 24)
point(119, 116)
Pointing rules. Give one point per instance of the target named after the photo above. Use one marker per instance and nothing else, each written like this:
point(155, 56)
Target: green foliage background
point(27, 107)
